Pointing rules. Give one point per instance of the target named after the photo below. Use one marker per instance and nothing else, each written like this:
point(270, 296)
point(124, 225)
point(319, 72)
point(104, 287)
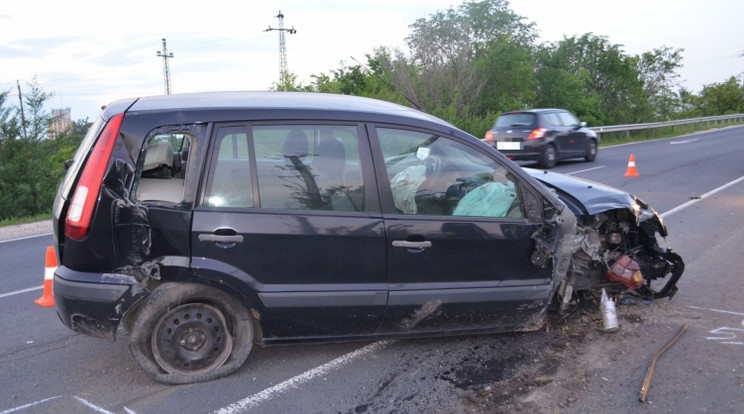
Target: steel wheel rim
point(191, 339)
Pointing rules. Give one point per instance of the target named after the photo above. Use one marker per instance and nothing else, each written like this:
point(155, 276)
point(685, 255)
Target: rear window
point(515, 120)
point(82, 152)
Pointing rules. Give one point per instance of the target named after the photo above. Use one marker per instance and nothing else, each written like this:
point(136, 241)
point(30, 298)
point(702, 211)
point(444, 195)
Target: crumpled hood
point(593, 197)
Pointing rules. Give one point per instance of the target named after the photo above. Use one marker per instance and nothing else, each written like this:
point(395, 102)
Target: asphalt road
point(696, 182)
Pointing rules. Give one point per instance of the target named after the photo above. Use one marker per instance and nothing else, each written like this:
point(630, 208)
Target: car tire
point(548, 158)
point(591, 151)
point(187, 333)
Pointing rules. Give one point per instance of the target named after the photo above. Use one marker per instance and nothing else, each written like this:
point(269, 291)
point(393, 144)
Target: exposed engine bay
point(616, 246)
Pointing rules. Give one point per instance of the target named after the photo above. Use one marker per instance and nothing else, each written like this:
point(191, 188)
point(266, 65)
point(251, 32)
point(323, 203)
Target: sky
point(89, 55)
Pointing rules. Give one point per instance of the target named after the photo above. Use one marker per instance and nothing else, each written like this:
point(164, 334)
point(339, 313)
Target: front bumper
point(94, 303)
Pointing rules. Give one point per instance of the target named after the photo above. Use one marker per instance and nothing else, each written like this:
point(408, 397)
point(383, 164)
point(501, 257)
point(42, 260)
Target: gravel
point(25, 230)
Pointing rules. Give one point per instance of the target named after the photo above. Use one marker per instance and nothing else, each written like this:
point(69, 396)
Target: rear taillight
point(537, 133)
point(85, 196)
point(489, 136)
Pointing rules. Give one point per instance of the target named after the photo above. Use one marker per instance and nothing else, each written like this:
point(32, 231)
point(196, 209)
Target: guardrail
point(725, 119)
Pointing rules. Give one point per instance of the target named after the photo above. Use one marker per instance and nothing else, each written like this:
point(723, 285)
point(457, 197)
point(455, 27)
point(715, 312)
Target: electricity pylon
point(166, 70)
point(282, 46)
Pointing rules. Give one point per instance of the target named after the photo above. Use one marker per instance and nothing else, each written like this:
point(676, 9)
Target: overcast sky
point(89, 54)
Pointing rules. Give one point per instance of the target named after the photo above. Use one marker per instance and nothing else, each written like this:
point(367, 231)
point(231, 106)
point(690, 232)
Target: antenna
point(282, 46)
point(166, 70)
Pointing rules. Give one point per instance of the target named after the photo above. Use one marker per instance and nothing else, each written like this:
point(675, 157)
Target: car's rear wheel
point(187, 332)
point(591, 151)
point(548, 158)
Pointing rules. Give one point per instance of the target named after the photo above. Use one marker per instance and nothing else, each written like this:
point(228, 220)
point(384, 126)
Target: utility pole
point(166, 70)
point(282, 47)
point(23, 117)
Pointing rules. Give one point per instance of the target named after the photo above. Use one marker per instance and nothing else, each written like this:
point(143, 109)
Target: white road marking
point(29, 405)
point(18, 292)
point(687, 141)
point(269, 393)
point(92, 407)
point(724, 334)
point(702, 197)
point(716, 310)
point(81, 400)
point(586, 170)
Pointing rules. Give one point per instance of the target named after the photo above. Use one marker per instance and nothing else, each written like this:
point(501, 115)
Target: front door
point(459, 247)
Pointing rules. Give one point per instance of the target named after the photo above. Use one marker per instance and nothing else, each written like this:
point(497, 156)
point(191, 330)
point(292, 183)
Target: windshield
point(515, 120)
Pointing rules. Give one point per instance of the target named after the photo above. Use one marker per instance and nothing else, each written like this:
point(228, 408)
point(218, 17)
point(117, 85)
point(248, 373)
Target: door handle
point(221, 239)
point(411, 245)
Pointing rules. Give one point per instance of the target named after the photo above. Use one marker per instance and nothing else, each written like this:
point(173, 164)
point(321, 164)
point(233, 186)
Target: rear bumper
point(527, 153)
point(94, 303)
point(522, 155)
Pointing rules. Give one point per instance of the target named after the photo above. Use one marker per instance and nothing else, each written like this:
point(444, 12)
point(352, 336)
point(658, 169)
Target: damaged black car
point(204, 224)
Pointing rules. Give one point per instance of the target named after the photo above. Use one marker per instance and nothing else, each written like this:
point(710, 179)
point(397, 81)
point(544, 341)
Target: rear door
point(575, 142)
point(286, 216)
point(558, 131)
point(459, 247)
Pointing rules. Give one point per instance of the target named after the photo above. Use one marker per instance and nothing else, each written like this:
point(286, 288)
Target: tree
point(373, 79)
point(593, 78)
point(454, 55)
point(288, 82)
point(722, 98)
point(658, 71)
point(27, 182)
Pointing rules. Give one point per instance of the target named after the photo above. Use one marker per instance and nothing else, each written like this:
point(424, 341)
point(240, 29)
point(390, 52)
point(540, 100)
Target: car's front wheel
point(548, 158)
point(187, 332)
point(591, 151)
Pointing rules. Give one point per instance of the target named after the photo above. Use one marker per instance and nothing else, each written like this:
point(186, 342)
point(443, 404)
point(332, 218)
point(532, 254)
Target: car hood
point(592, 197)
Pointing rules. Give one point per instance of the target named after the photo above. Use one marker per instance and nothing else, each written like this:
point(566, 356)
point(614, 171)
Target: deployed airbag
point(488, 200)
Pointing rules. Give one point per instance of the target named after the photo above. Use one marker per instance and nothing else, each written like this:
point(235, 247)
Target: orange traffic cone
point(631, 172)
point(47, 298)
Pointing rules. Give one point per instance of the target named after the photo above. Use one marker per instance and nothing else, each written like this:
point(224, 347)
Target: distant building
point(60, 123)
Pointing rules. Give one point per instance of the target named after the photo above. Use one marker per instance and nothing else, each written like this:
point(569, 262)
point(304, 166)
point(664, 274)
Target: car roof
point(261, 101)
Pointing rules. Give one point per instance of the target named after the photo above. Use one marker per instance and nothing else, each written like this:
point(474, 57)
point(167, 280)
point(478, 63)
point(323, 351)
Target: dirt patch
point(564, 364)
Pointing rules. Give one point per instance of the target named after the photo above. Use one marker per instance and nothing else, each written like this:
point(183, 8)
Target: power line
point(282, 46)
point(166, 70)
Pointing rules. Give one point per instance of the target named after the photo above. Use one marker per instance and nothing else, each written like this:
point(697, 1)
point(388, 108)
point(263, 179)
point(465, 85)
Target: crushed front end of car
point(616, 246)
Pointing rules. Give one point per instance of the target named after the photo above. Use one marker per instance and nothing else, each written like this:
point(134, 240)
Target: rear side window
point(287, 167)
point(309, 167)
point(568, 119)
point(162, 167)
point(515, 120)
point(552, 119)
point(230, 183)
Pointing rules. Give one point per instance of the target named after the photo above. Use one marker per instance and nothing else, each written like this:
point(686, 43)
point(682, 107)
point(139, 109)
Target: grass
point(24, 220)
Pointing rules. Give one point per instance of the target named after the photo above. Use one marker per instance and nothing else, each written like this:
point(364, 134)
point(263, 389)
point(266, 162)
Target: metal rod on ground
point(650, 371)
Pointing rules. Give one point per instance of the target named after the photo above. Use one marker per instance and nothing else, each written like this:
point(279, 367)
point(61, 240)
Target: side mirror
point(67, 164)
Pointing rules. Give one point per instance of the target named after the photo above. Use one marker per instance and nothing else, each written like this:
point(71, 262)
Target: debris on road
point(652, 365)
